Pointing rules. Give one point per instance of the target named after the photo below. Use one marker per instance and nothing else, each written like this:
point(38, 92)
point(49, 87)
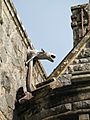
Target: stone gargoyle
point(42, 55)
point(32, 57)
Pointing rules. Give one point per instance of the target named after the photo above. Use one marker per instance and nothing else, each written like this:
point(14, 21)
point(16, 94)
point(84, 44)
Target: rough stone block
point(81, 105)
point(2, 117)
point(84, 117)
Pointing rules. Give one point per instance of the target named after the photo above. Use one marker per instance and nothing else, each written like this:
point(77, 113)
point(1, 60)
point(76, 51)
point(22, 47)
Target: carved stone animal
point(42, 55)
point(32, 56)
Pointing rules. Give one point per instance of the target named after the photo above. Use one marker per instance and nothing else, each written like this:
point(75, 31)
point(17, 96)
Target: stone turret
point(81, 25)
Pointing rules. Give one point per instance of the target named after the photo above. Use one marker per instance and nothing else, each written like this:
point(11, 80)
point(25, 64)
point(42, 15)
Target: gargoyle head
point(51, 57)
point(42, 55)
point(46, 55)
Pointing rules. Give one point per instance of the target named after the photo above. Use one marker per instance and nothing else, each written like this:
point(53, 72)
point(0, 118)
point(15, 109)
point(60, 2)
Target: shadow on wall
point(21, 98)
point(19, 94)
point(15, 115)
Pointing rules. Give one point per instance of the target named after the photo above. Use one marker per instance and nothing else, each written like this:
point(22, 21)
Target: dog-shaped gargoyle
point(42, 55)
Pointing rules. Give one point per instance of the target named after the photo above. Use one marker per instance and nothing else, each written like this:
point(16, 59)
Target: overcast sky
point(48, 25)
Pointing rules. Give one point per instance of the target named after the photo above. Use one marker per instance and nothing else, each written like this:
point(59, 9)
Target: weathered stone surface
point(84, 117)
point(76, 61)
point(58, 97)
point(77, 23)
point(65, 101)
point(79, 67)
point(5, 81)
point(2, 117)
point(3, 103)
point(81, 105)
point(50, 112)
point(85, 53)
point(13, 54)
point(65, 79)
point(84, 60)
point(71, 101)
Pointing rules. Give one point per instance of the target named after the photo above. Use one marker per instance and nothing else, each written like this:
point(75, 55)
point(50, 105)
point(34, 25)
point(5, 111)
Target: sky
point(48, 25)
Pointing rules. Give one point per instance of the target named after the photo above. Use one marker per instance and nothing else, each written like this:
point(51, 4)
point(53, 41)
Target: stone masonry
point(13, 54)
point(65, 94)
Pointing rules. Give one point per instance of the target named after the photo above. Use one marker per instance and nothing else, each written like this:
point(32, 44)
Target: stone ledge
point(47, 98)
point(80, 72)
point(69, 113)
point(85, 104)
point(42, 84)
point(80, 78)
point(52, 111)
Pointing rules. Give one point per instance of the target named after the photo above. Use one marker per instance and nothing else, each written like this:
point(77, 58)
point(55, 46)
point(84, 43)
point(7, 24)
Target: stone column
point(84, 117)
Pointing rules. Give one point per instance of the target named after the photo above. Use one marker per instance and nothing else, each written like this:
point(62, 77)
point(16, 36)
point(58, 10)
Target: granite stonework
point(58, 104)
point(67, 95)
point(13, 54)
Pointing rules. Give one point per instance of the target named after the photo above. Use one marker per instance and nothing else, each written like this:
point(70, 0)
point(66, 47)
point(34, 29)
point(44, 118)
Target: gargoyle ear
point(42, 50)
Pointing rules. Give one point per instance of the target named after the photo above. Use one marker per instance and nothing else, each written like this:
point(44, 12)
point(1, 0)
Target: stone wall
point(67, 97)
point(77, 60)
point(70, 102)
point(13, 54)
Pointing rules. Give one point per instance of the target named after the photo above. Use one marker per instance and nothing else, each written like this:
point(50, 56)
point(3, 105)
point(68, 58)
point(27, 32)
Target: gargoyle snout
point(53, 56)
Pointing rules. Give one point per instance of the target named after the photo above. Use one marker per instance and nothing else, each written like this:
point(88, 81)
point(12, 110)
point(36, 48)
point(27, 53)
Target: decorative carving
point(32, 56)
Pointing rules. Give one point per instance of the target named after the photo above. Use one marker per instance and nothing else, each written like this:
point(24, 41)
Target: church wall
point(13, 54)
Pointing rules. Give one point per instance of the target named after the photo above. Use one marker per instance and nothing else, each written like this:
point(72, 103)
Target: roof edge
point(22, 30)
